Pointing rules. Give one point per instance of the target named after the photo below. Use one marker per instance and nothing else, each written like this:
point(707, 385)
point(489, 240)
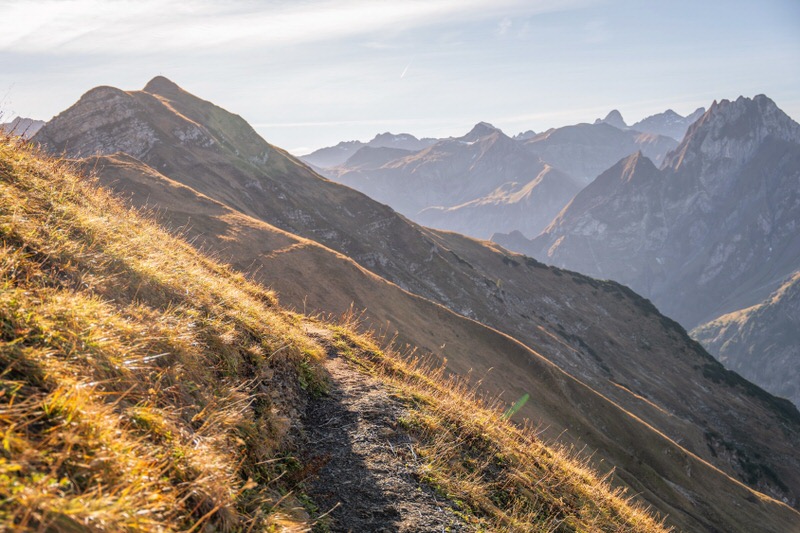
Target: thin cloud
point(123, 26)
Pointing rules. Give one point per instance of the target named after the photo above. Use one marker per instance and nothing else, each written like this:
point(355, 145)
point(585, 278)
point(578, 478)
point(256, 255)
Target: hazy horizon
point(311, 74)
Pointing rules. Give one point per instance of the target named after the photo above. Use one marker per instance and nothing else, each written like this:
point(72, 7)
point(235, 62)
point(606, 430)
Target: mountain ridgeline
point(604, 368)
point(712, 231)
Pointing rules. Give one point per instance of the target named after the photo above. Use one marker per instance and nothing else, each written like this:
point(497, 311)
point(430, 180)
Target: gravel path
point(366, 480)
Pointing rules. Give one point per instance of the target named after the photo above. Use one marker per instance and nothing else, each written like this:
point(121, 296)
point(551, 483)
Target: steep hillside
point(146, 387)
point(562, 408)
point(761, 342)
point(603, 334)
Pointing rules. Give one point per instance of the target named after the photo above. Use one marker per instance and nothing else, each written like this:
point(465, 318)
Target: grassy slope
point(696, 496)
point(599, 340)
point(146, 387)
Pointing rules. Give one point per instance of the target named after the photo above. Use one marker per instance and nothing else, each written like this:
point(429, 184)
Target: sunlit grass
point(146, 387)
point(502, 477)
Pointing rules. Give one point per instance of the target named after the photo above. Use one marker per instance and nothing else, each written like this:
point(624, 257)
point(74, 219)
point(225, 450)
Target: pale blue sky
point(310, 73)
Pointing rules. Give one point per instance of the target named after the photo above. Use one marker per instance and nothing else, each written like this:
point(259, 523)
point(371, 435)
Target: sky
point(311, 73)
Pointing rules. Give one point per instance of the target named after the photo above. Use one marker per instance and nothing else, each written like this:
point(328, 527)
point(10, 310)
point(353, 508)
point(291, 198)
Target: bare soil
point(367, 471)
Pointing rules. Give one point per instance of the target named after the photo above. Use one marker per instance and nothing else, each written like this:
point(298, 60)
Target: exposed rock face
point(714, 231)
point(761, 342)
point(24, 127)
point(619, 356)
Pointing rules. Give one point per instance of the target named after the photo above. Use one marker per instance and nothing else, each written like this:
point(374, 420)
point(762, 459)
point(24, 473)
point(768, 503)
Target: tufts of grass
point(143, 386)
point(146, 387)
point(500, 475)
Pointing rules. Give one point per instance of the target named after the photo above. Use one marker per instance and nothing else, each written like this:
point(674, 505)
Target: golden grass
point(501, 475)
point(146, 387)
point(137, 374)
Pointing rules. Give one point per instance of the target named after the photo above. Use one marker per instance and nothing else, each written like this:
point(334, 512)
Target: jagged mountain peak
point(636, 165)
point(524, 135)
point(631, 172)
point(668, 123)
point(392, 137)
point(733, 129)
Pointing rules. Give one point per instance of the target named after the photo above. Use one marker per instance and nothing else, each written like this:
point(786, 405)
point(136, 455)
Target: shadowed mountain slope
point(606, 336)
point(712, 232)
point(761, 341)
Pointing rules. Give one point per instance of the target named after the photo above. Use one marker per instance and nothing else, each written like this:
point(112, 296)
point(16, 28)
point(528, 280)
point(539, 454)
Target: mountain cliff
point(598, 360)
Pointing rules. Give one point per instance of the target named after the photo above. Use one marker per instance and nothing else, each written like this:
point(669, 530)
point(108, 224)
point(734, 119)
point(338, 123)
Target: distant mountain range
point(603, 367)
point(490, 190)
point(669, 123)
point(713, 231)
point(24, 127)
point(336, 155)
point(486, 182)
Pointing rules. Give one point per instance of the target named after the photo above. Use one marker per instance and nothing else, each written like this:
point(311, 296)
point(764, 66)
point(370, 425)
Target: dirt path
point(368, 462)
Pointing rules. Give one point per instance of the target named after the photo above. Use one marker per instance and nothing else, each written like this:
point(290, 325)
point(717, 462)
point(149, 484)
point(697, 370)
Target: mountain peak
point(161, 86)
point(614, 118)
point(736, 128)
point(481, 129)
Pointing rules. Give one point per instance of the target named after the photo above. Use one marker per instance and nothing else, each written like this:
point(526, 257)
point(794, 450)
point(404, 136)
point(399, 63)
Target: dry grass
point(501, 475)
point(145, 387)
point(139, 380)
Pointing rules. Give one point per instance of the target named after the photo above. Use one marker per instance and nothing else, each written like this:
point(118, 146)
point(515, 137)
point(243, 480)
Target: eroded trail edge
point(368, 477)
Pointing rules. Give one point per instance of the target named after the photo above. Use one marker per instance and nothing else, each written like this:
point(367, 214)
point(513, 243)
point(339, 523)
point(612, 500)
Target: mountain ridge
point(481, 281)
point(710, 232)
